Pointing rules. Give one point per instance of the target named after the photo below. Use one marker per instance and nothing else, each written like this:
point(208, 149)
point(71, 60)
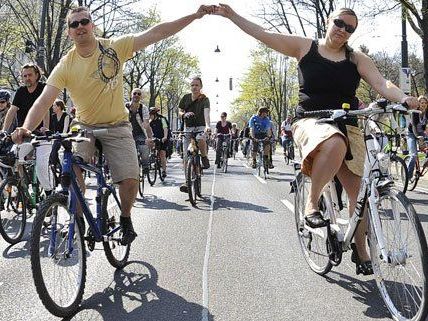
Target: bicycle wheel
point(313, 242)
point(399, 173)
point(286, 158)
point(415, 175)
point(224, 161)
point(402, 277)
point(159, 168)
point(191, 180)
point(116, 253)
point(58, 260)
point(152, 170)
point(141, 181)
point(13, 211)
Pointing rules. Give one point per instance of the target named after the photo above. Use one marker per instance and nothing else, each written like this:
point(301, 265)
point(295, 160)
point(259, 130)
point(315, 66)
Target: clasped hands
point(221, 10)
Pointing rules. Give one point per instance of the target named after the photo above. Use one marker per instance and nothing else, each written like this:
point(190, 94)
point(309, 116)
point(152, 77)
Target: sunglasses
point(139, 94)
point(76, 23)
point(2, 101)
point(341, 24)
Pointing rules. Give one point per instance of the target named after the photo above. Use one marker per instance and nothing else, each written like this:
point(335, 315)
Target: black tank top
point(57, 126)
point(326, 84)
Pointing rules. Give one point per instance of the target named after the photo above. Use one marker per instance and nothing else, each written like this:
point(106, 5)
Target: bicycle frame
point(374, 176)
point(71, 188)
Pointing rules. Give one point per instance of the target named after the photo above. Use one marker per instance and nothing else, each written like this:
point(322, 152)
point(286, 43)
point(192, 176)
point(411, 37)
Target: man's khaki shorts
point(118, 148)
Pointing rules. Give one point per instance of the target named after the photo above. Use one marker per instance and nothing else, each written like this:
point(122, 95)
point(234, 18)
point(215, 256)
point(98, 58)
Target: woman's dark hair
point(59, 103)
point(36, 69)
point(345, 11)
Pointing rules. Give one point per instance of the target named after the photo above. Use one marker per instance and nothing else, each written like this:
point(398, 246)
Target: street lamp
point(216, 79)
point(217, 49)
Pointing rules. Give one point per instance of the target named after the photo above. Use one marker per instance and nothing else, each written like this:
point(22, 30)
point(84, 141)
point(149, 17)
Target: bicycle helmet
point(4, 95)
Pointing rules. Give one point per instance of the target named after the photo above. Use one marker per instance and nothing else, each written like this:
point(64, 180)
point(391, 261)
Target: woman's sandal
point(364, 268)
point(315, 220)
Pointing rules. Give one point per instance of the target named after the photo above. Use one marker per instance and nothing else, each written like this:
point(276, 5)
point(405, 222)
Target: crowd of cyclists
point(135, 130)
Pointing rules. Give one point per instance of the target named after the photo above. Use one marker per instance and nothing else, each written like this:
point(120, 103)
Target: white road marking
point(288, 204)
point(261, 180)
point(205, 286)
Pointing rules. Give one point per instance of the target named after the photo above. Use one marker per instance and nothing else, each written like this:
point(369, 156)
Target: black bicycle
point(225, 148)
point(155, 167)
point(194, 168)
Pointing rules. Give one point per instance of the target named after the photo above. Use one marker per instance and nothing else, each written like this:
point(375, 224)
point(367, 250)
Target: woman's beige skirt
point(307, 135)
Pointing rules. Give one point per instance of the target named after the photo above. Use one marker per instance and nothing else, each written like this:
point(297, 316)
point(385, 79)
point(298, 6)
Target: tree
point(310, 16)
point(264, 86)
point(416, 13)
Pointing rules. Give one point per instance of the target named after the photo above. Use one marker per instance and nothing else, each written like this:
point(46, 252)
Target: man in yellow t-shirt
point(92, 73)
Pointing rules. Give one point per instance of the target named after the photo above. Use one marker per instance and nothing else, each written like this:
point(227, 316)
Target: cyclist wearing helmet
point(260, 128)
point(159, 126)
point(235, 136)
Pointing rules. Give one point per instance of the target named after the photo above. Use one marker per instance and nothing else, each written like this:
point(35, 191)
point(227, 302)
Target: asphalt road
point(234, 257)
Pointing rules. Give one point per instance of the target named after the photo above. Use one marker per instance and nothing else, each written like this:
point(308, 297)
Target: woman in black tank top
point(329, 74)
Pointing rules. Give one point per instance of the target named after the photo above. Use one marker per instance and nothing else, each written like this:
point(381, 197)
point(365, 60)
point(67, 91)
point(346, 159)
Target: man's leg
point(162, 154)
point(128, 189)
point(121, 154)
point(254, 153)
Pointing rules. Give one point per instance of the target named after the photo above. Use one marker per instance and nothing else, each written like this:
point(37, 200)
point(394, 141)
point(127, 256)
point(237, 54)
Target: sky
point(202, 36)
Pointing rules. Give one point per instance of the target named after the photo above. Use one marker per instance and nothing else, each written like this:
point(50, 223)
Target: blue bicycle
point(58, 254)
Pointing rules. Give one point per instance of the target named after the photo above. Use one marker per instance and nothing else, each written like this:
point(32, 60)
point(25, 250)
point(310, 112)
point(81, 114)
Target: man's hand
point(412, 102)
point(43, 129)
point(189, 114)
point(19, 134)
point(224, 10)
point(203, 10)
point(164, 139)
point(149, 142)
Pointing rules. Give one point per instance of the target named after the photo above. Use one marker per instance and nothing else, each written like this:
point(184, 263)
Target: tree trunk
point(425, 54)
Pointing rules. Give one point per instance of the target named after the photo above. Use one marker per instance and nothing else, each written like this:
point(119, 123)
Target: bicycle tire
point(412, 182)
point(402, 259)
point(286, 159)
point(399, 172)
point(48, 280)
point(318, 261)
point(224, 161)
point(191, 179)
point(13, 213)
point(152, 171)
point(116, 253)
point(159, 167)
point(141, 182)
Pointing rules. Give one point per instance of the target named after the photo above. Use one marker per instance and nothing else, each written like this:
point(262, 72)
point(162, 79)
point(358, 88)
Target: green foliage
point(264, 85)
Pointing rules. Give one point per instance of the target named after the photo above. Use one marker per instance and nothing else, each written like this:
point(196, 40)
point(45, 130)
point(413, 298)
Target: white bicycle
point(398, 247)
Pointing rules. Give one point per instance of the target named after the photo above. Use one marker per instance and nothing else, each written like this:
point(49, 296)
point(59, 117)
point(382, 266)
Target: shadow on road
point(134, 295)
point(153, 202)
point(20, 249)
point(364, 291)
point(222, 203)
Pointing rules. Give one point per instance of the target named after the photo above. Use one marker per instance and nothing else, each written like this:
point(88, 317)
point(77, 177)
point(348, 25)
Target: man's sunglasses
point(139, 94)
point(341, 24)
point(76, 23)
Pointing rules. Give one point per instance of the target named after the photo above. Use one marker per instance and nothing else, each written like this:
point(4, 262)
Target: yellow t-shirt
point(98, 99)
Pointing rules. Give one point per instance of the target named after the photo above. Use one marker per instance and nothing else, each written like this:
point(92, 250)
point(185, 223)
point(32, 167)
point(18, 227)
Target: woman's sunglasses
point(341, 24)
point(76, 23)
